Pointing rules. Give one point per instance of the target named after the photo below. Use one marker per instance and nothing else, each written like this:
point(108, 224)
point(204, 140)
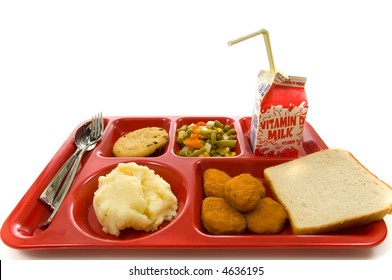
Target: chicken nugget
point(244, 192)
point(214, 182)
point(219, 217)
point(269, 217)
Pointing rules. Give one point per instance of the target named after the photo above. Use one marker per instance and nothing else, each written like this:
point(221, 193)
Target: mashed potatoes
point(133, 196)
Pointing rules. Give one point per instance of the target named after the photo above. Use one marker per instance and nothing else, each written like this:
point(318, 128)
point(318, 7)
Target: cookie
point(141, 143)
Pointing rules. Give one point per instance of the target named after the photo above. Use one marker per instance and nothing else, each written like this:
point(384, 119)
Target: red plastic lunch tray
point(76, 226)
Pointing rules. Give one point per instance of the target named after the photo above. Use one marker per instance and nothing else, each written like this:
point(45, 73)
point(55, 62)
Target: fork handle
point(65, 188)
point(49, 194)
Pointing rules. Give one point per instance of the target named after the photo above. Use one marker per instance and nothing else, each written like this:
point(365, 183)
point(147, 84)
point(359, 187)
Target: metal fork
point(49, 194)
point(95, 135)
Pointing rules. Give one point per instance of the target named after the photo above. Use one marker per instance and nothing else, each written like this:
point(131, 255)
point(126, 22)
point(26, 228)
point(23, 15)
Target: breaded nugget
point(214, 182)
point(243, 192)
point(219, 217)
point(269, 217)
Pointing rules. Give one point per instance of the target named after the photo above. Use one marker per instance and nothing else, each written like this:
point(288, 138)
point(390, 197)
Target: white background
point(63, 61)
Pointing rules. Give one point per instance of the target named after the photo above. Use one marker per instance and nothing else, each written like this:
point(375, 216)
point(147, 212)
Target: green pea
point(227, 128)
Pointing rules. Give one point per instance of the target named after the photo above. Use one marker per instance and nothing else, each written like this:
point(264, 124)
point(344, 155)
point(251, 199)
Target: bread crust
point(343, 224)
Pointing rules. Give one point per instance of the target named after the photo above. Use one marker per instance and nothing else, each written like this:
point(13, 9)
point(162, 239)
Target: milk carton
point(279, 115)
point(279, 111)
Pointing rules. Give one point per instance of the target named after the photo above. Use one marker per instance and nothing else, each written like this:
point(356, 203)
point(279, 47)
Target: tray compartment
point(84, 215)
point(224, 120)
point(121, 126)
point(311, 142)
point(234, 167)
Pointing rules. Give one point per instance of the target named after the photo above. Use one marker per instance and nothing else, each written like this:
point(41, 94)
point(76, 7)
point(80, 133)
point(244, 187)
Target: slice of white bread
point(327, 191)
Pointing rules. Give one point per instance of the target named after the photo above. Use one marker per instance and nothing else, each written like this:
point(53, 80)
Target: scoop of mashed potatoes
point(133, 196)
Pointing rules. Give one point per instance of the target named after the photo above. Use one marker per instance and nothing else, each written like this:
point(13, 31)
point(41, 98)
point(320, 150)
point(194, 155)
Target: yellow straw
point(267, 45)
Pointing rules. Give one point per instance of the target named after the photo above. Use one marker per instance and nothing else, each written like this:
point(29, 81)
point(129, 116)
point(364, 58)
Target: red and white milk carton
point(279, 115)
point(279, 111)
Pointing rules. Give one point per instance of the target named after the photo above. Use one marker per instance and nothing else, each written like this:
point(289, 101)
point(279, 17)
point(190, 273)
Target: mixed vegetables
point(210, 139)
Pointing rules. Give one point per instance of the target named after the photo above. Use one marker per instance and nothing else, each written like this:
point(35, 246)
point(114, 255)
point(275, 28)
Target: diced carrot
point(201, 124)
point(196, 135)
point(193, 126)
point(193, 142)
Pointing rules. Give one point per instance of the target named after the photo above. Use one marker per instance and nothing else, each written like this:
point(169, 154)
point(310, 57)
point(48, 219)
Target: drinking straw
point(267, 46)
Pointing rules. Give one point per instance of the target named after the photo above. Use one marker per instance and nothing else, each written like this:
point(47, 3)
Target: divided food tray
point(76, 226)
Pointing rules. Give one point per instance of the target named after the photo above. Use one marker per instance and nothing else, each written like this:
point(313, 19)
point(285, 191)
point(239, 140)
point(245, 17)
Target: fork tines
point(97, 126)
